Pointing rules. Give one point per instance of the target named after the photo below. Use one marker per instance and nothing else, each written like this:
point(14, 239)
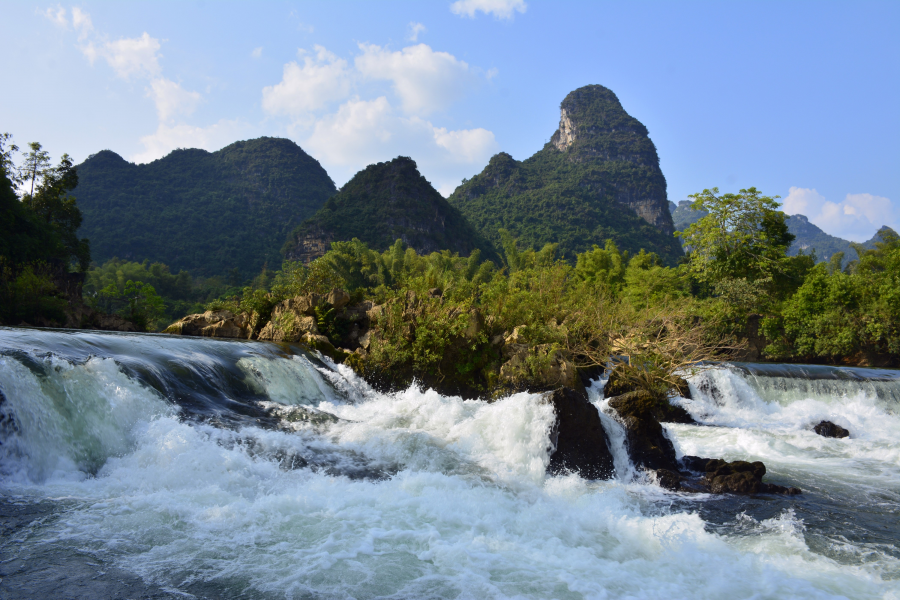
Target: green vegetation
point(808, 239)
point(478, 327)
point(447, 320)
point(385, 202)
point(206, 213)
point(38, 242)
point(838, 313)
point(739, 249)
point(149, 295)
point(587, 193)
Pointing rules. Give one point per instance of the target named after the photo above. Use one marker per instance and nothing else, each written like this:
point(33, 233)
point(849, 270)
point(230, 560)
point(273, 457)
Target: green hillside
point(381, 204)
point(204, 212)
point(598, 178)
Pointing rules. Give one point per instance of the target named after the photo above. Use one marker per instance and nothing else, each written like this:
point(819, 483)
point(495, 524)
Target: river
point(155, 466)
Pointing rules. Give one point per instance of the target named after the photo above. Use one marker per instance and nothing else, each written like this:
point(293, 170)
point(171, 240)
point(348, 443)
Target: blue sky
point(800, 99)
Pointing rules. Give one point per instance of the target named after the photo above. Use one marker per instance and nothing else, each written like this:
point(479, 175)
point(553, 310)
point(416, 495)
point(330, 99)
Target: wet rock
point(830, 430)
point(737, 477)
point(578, 435)
point(670, 480)
point(324, 345)
point(648, 446)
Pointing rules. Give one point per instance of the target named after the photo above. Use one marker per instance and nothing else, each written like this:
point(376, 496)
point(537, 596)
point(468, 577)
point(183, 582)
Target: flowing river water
point(154, 466)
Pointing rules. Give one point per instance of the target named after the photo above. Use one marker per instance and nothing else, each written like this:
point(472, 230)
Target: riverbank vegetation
point(440, 315)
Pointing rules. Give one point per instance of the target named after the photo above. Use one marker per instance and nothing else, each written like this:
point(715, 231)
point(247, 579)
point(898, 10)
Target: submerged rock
point(722, 477)
point(580, 442)
point(830, 430)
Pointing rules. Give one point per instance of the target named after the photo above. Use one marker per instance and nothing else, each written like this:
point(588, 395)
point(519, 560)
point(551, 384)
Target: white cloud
point(414, 30)
point(169, 137)
point(171, 99)
point(501, 9)
point(424, 80)
point(322, 79)
point(56, 15)
point(858, 217)
point(363, 132)
point(82, 23)
point(802, 201)
point(127, 56)
point(466, 145)
point(257, 52)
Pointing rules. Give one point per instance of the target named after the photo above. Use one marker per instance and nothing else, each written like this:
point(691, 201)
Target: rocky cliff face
point(594, 127)
point(598, 178)
point(383, 203)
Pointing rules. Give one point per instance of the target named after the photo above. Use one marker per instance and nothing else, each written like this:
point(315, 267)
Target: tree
point(36, 164)
point(52, 204)
point(740, 247)
point(7, 166)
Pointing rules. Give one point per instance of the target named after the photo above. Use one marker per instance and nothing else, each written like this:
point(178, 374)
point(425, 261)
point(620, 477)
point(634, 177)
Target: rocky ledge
point(641, 413)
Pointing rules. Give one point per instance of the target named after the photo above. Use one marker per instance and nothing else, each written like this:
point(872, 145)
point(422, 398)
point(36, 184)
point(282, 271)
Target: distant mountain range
point(809, 238)
point(259, 201)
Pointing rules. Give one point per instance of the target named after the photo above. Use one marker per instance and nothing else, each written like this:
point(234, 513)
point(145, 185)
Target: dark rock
point(648, 446)
point(830, 430)
point(695, 463)
point(738, 477)
point(581, 443)
point(616, 384)
point(669, 480)
point(589, 374)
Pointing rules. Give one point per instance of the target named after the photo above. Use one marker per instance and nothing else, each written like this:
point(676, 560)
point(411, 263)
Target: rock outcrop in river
point(348, 332)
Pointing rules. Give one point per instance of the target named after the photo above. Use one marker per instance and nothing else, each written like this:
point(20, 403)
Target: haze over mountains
point(256, 202)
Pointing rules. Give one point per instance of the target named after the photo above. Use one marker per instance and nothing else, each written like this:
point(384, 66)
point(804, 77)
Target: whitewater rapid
point(212, 468)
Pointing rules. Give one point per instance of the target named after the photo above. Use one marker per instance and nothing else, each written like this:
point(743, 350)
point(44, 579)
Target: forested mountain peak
point(598, 178)
point(382, 203)
point(206, 212)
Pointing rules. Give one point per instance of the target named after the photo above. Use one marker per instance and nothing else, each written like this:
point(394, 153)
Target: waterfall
point(162, 466)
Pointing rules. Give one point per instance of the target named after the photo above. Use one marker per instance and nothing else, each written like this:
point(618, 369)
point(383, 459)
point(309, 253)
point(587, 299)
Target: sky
point(799, 99)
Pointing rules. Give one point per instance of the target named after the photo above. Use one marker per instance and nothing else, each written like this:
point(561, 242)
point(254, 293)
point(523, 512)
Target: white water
point(456, 503)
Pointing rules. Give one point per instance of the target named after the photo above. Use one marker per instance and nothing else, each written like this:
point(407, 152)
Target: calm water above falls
point(161, 467)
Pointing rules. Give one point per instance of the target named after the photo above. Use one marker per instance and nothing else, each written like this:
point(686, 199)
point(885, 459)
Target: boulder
point(737, 477)
point(648, 446)
point(338, 298)
point(830, 430)
point(579, 442)
point(293, 318)
point(213, 323)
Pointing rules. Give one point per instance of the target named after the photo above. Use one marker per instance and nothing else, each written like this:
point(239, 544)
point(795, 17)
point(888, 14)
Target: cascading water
point(158, 466)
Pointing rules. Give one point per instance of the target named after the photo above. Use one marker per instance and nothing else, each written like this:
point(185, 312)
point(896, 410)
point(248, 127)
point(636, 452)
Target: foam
point(467, 511)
